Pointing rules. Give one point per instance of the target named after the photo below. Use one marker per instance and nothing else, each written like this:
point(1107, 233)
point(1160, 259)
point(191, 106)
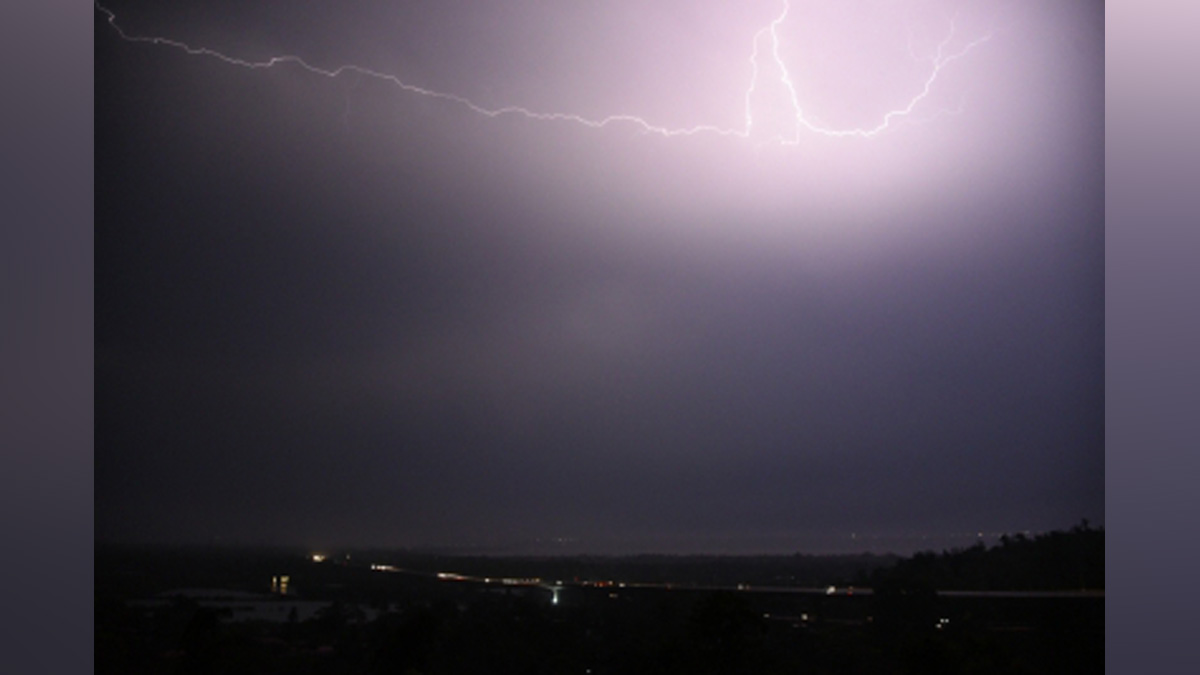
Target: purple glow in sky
point(769, 70)
point(756, 274)
point(801, 87)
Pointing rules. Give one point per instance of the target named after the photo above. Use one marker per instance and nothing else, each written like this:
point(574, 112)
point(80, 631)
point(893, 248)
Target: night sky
point(333, 311)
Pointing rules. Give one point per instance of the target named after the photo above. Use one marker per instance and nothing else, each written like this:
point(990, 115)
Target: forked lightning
point(799, 122)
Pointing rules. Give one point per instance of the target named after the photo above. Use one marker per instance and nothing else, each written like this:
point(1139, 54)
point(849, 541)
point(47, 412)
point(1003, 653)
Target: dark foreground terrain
point(1024, 606)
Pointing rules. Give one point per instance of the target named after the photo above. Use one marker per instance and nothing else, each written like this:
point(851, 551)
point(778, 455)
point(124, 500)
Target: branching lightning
point(798, 121)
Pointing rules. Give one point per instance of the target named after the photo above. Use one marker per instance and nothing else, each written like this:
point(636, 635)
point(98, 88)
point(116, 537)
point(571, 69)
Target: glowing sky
point(773, 110)
point(357, 305)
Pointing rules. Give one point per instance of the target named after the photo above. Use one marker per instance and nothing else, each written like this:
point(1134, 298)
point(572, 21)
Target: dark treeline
point(1058, 560)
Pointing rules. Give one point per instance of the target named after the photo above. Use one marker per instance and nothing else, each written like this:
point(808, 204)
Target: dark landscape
point(1026, 605)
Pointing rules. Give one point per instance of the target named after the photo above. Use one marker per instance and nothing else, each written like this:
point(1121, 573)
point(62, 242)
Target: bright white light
point(768, 39)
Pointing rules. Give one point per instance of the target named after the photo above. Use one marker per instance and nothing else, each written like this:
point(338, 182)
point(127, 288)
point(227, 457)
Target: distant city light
point(318, 557)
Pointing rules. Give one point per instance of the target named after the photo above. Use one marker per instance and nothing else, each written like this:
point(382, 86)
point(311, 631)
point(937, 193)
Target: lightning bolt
point(940, 60)
point(770, 33)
